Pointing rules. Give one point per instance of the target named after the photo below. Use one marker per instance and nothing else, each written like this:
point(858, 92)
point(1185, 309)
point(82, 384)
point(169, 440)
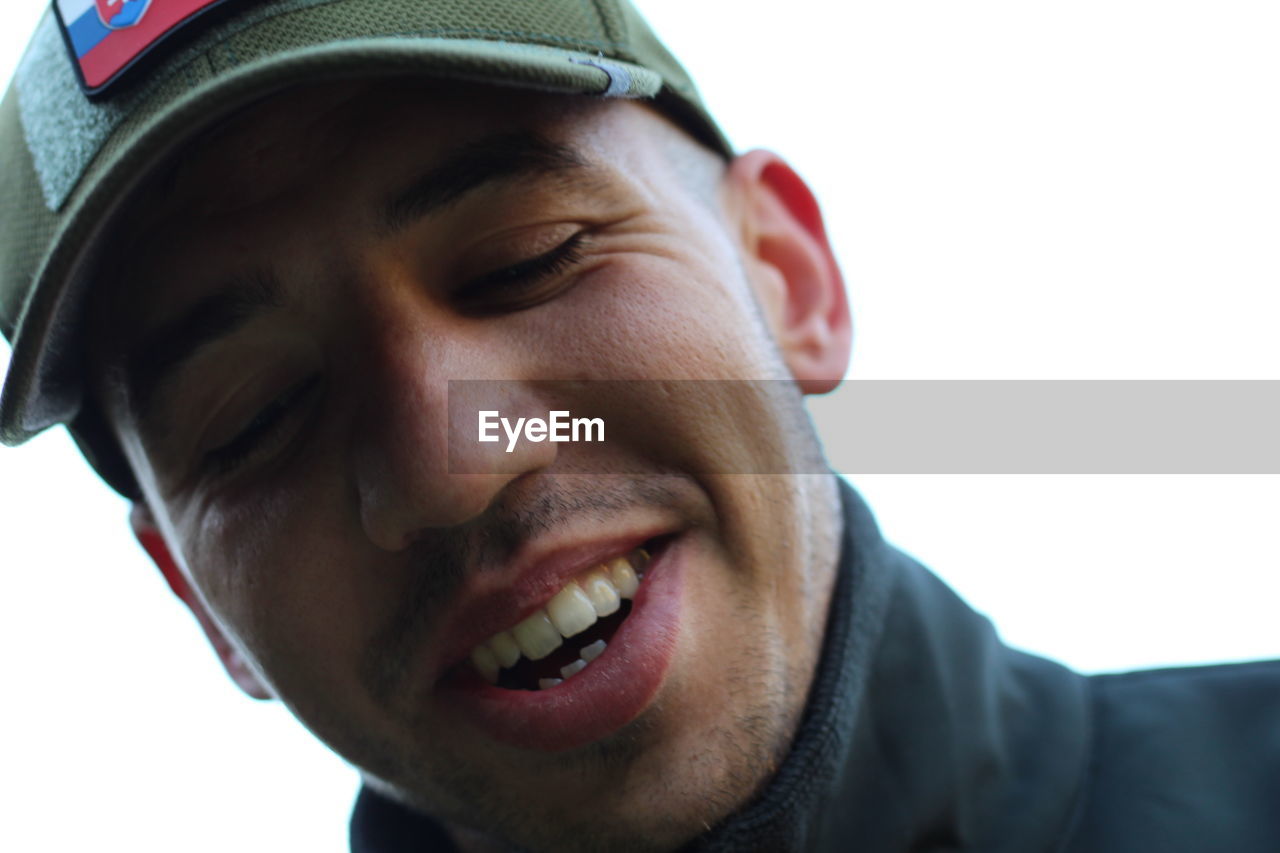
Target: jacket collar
point(960, 742)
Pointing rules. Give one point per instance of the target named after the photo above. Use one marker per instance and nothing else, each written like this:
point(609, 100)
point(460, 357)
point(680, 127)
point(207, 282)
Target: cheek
point(644, 319)
point(650, 316)
point(281, 578)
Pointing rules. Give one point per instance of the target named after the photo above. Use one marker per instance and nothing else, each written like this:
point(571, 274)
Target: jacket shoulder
point(1184, 759)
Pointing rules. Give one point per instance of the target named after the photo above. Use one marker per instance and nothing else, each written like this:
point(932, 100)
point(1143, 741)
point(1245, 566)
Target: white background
point(1029, 190)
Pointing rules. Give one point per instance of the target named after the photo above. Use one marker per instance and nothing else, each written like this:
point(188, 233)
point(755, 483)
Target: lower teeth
point(570, 670)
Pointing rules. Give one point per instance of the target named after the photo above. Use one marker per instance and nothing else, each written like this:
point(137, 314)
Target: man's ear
point(791, 264)
point(153, 542)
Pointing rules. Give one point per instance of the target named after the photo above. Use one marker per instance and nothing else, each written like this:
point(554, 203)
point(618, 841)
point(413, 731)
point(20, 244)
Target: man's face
point(293, 301)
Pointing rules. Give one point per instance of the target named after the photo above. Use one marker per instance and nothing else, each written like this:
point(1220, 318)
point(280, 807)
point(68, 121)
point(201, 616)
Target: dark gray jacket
point(924, 732)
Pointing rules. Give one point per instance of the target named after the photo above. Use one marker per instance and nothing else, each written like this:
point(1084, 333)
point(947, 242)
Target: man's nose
point(415, 466)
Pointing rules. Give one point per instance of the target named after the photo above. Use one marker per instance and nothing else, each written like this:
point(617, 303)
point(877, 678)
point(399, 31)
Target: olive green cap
point(68, 159)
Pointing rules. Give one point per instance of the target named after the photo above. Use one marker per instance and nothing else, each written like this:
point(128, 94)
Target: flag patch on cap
point(107, 36)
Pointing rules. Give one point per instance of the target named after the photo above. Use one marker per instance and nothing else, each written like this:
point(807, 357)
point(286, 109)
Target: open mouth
point(564, 636)
point(585, 663)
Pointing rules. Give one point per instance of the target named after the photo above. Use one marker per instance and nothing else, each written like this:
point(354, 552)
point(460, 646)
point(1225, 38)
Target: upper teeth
point(596, 593)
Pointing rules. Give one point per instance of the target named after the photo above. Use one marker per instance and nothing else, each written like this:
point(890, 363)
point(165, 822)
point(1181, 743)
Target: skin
point(299, 558)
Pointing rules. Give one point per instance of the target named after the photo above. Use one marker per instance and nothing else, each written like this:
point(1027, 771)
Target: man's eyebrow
point(216, 316)
point(505, 156)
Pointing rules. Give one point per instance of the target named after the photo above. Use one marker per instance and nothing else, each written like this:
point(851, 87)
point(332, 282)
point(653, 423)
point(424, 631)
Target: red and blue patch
point(105, 37)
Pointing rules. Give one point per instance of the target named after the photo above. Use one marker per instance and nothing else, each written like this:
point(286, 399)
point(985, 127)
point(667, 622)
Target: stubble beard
point(657, 809)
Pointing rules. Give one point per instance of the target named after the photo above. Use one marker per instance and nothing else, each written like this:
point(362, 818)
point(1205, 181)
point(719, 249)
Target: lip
point(539, 575)
point(611, 692)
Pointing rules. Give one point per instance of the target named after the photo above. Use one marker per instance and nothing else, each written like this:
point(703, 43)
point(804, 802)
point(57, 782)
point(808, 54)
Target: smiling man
point(284, 408)
point(273, 262)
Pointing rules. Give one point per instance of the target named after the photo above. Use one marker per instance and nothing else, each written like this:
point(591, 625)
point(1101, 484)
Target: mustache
point(442, 559)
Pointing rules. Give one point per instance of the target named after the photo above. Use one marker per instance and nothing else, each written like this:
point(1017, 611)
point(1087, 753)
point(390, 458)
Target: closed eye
point(268, 424)
point(524, 284)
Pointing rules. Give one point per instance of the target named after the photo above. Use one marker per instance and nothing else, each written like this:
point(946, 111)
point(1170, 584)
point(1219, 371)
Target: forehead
point(351, 141)
point(304, 134)
point(282, 169)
